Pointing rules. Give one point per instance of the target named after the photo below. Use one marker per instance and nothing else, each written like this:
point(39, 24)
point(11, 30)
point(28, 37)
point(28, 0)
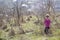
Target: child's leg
point(48, 29)
point(45, 31)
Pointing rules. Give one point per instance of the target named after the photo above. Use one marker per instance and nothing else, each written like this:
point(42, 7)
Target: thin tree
point(19, 17)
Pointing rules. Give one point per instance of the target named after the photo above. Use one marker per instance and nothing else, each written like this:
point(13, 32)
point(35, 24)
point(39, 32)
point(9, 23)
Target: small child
point(47, 22)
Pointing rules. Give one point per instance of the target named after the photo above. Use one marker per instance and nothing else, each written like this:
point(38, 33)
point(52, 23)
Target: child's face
point(47, 16)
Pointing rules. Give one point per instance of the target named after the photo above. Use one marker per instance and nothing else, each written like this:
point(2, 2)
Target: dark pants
point(46, 30)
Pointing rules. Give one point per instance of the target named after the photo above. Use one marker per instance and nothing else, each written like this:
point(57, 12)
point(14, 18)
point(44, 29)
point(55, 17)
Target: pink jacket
point(47, 22)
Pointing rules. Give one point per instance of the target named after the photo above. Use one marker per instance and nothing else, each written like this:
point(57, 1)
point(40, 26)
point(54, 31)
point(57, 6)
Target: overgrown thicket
point(20, 23)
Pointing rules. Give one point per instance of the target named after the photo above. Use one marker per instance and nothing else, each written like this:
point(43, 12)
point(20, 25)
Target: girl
point(47, 22)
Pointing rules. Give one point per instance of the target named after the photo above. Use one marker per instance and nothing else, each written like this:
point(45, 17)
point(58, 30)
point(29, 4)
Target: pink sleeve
point(50, 20)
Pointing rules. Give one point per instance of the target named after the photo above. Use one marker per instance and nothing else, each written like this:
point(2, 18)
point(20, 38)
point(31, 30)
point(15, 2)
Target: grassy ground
point(35, 33)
